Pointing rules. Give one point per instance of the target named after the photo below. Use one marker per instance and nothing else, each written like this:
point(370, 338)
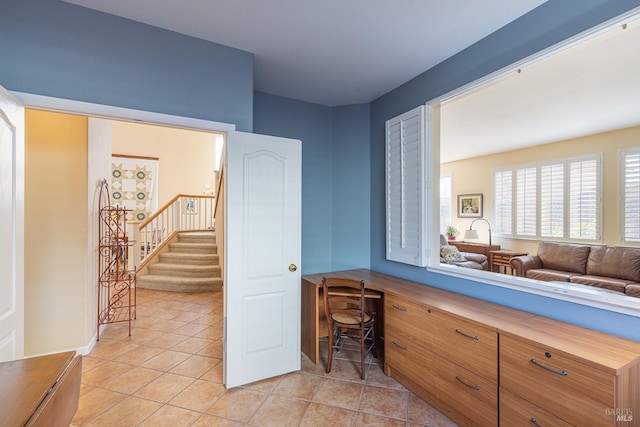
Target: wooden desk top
point(25, 383)
point(486, 313)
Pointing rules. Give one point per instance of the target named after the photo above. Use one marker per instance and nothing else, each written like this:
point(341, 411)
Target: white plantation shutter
point(584, 199)
point(503, 202)
point(526, 201)
point(405, 152)
point(630, 200)
point(552, 200)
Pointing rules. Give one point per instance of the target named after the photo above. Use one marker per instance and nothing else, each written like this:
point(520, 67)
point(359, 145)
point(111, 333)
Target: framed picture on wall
point(470, 205)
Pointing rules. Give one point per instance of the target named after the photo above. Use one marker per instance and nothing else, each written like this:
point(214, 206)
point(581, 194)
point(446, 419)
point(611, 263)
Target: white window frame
point(592, 297)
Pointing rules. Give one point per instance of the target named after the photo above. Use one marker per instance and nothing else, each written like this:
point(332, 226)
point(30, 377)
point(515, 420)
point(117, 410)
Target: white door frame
point(60, 105)
point(12, 306)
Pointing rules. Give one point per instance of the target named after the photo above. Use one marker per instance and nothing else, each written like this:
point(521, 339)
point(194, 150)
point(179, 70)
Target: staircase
point(190, 265)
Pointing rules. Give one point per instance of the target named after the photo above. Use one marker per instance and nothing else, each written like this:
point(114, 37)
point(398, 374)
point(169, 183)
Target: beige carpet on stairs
point(191, 265)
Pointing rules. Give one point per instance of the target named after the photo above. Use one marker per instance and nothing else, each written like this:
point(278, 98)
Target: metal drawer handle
point(563, 373)
point(405, 348)
point(397, 307)
point(473, 337)
point(535, 422)
point(475, 387)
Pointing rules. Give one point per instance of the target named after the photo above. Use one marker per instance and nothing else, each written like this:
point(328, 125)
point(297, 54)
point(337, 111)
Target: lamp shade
point(471, 234)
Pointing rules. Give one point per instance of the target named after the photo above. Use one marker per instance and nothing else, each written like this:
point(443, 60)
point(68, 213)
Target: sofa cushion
point(610, 283)
point(451, 254)
point(549, 275)
point(564, 257)
point(623, 263)
point(633, 290)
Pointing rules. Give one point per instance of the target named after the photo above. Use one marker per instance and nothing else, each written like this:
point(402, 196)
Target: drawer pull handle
point(535, 362)
point(405, 348)
point(535, 422)
point(397, 307)
point(475, 387)
point(473, 337)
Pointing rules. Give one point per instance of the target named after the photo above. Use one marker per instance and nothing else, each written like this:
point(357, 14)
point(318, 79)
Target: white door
point(11, 227)
point(261, 257)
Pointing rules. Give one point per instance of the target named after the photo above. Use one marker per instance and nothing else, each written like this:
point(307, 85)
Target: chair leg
point(373, 337)
point(330, 356)
point(363, 352)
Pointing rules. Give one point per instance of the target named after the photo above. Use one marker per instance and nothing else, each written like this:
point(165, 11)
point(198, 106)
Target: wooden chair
point(348, 317)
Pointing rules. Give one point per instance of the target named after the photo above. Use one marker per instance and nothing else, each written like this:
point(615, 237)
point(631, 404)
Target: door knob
point(292, 267)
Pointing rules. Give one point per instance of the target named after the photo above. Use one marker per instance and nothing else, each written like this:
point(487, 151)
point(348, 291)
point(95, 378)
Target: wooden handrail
point(169, 203)
point(220, 179)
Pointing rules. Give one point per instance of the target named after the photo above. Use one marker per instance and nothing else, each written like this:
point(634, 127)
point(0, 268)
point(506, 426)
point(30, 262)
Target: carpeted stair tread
point(187, 258)
point(187, 270)
point(194, 247)
point(197, 237)
point(179, 284)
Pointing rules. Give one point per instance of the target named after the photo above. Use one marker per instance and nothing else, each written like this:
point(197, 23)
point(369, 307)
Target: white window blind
point(526, 201)
point(584, 199)
point(630, 197)
point(552, 200)
point(405, 152)
point(446, 201)
point(503, 202)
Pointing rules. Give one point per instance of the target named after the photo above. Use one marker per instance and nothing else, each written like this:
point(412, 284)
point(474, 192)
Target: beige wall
point(186, 157)
point(55, 231)
point(475, 176)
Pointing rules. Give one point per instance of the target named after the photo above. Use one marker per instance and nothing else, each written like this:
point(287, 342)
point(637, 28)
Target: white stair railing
point(183, 212)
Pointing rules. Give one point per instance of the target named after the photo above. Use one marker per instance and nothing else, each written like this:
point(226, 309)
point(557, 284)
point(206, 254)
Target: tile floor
point(169, 373)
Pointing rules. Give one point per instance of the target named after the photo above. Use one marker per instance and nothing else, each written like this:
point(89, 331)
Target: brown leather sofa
point(475, 261)
point(613, 268)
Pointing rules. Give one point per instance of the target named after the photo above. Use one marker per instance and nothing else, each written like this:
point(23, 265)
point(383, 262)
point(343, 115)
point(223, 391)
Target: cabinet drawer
point(409, 358)
point(470, 394)
point(546, 379)
point(517, 412)
point(410, 320)
point(467, 344)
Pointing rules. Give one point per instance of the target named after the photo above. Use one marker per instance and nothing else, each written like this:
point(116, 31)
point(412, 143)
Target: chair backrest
point(345, 296)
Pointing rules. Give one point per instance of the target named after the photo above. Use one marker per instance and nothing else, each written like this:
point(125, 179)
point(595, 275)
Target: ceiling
point(330, 52)
point(591, 88)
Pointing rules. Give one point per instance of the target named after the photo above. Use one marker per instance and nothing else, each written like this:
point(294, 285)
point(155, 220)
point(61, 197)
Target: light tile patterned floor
point(169, 373)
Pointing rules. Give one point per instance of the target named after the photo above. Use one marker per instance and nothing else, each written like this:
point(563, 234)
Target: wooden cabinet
point(580, 376)
point(449, 362)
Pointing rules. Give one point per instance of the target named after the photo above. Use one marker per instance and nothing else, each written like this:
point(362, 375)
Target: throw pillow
point(451, 254)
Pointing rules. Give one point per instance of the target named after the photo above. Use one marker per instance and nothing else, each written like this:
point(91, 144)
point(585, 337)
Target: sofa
point(448, 255)
point(613, 268)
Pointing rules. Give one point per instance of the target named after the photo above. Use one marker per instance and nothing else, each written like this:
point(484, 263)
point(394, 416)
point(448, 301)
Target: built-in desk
point(484, 364)
point(314, 324)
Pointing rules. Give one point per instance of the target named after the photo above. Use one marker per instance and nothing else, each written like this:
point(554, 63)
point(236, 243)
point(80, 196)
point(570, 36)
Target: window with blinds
point(558, 200)
point(630, 196)
point(446, 201)
point(503, 202)
point(405, 165)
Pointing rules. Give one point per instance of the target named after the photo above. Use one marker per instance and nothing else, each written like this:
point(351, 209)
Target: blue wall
point(350, 188)
point(335, 177)
point(551, 23)
point(53, 48)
